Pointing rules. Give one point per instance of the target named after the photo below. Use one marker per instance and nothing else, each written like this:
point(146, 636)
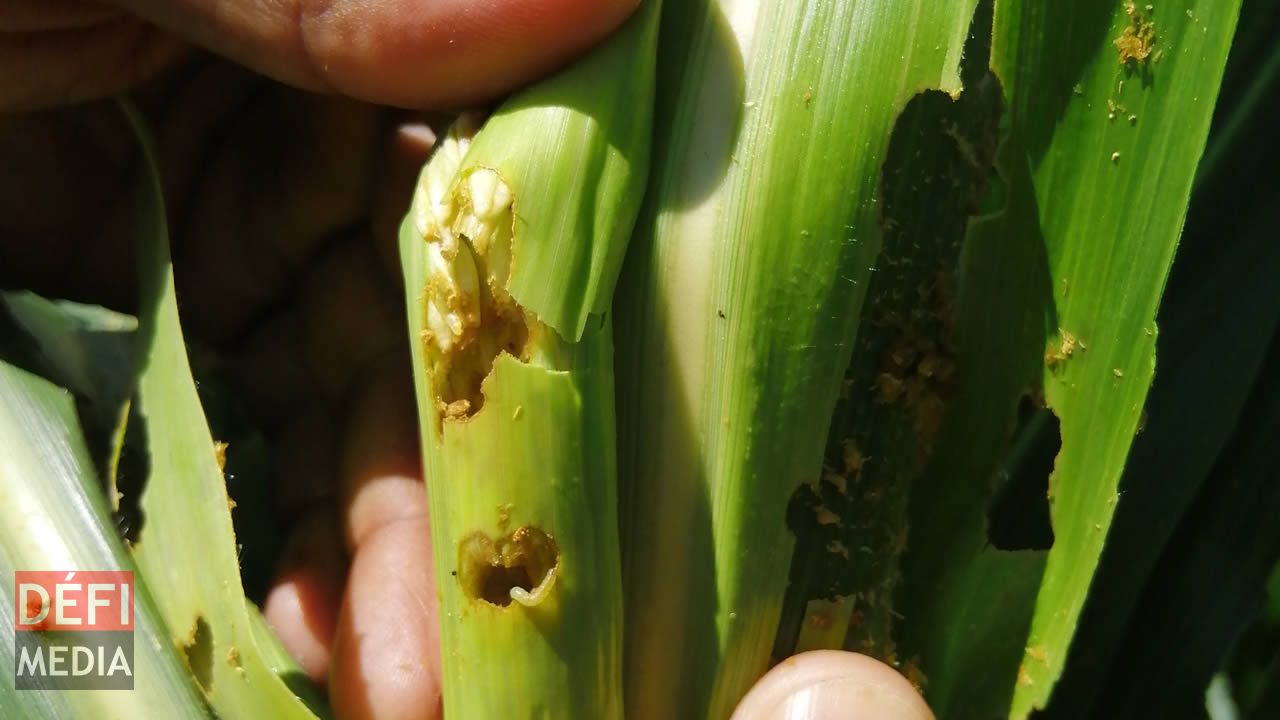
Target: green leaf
point(54, 518)
point(851, 524)
point(1113, 136)
point(187, 548)
point(1059, 292)
point(966, 604)
point(1210, 584)
point(739, 307)
point(87, 349)
point(1219, 315)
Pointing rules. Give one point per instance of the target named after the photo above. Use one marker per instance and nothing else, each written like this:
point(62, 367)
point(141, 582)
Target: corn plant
point(767, 327)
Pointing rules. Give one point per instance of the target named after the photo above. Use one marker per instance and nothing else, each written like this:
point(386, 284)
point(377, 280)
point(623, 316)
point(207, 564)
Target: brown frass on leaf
point(903, 373)
point(1138, 39)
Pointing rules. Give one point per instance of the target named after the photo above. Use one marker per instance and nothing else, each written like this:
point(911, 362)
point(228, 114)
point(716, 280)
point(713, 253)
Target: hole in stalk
point(518, 567)
point(471, 318)
point(499, 581)
point(459, 387)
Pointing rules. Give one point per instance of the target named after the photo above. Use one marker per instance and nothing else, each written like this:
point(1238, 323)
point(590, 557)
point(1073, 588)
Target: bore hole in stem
point(518, 567)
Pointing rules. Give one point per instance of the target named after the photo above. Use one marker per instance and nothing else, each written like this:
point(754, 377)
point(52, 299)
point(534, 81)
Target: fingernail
point(418, 136)
point(846, 698)
point(831, 685)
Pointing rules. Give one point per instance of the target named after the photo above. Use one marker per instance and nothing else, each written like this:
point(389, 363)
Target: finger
point(302, 605)
point(830, 684)
point(67, 59)
point(381, 470)
point(271, 370)
point(387, 651)
point(386, 656)
point(351, 315)
point(346, 315)
point(412, 53)
point(294, 171)
point(304, 464)
point(59, 186)
point(189, 110)
point(34, 15)
point(407, 149)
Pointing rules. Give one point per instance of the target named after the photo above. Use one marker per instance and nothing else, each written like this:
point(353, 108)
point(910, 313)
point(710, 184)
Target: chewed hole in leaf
point(1018, 516)
point(198, 651)
point(131, 475)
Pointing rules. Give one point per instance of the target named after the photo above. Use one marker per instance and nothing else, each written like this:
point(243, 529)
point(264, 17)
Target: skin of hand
point(285, 184)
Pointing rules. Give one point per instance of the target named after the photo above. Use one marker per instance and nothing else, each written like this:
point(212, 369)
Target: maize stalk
point(739, 308)
point(511, 250)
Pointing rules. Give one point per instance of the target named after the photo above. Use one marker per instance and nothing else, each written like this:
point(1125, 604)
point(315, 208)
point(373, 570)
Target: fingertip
point(451, 53)
point(303, 463)
point(408, 53)
point(824, 684)
point(386, 650)
point(381, 467)
point(406, 150)
point(351, 316)
point(302, 605)
point(47, 64)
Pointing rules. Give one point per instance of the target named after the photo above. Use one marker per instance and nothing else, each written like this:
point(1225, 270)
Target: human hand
point(407, 53)
point(283, 207)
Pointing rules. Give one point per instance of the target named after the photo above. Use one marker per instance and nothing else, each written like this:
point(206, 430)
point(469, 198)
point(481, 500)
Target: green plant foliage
point(88, 349)
point(1219, 314)
point(989, 240)
point(1255, 665)
point(54, 518)
point(966, 604)
point(851, 524)
point(187, 549)
point(1109, 105)
point(738, 310)
point(1193, 610)
point(84, 348)
point(1113, 140)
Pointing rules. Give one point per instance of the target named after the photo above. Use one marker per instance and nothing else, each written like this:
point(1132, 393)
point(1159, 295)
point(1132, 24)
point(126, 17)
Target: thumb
point(832, 685)
point(411, 53)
